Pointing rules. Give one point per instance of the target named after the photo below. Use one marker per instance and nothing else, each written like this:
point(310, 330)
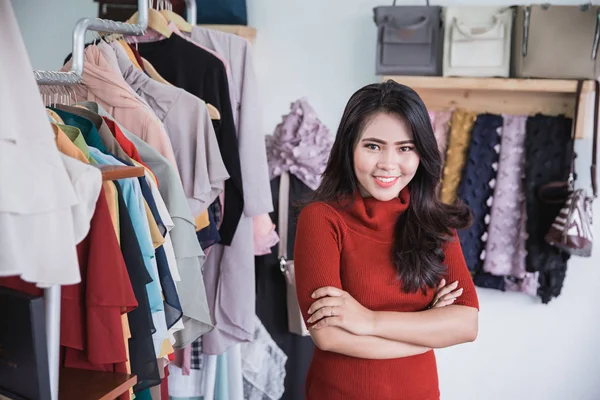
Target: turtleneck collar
point(375, 218)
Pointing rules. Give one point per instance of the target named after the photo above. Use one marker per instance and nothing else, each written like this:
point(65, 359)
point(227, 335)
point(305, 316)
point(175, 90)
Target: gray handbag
point(559, 42)
point(409, 40)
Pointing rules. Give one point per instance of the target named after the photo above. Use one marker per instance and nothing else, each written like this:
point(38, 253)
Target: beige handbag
point(477, 41)
point(558, 42)
point(295, 320)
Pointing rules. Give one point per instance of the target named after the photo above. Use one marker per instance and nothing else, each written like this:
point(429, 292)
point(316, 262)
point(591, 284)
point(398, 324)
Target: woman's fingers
point(446, 289)
point(327, 291)
point(440, 285)
point(322, 313)
point(443, 303)
point(325, 302)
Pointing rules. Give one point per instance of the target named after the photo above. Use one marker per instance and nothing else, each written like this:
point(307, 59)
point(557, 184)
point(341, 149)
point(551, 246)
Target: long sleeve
point(458, 271)
point(316, 252)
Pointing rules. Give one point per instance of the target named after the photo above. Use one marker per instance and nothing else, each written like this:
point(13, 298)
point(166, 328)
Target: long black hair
point(427, 223)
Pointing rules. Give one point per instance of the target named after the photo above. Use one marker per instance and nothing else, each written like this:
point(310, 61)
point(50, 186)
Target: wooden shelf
point(501, 95)
point(81, 384)
point(114, 172)
point(244, 31)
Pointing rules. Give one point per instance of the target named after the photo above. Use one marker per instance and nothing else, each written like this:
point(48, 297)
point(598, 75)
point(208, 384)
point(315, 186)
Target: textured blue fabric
point(228, 12)
point(209, 235)
point(476, 189)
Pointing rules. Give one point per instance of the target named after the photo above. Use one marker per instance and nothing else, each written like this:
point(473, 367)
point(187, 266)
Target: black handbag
point(24, 372)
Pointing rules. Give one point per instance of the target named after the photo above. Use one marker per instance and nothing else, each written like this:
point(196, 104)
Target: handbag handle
point(495, 23)
point(572, 173)
point(282, 218)
point(423, 21)
point(593, 167)
point(426, 3)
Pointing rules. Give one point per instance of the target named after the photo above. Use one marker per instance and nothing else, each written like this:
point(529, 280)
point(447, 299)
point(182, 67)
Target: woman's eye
point(372, 146)
point(405, 149)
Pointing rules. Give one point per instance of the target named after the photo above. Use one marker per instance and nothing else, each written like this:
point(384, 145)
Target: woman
point(373, 249)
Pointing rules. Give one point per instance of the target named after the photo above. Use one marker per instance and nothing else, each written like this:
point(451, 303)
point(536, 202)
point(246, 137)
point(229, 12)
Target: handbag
point(296, 322)
point(409, 40)
point(556, 42)
point(24, 371)
point(571, 231)
point(477, 41)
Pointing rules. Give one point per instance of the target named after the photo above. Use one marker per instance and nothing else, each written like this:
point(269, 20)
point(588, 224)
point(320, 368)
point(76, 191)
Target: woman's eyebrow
point(384, 142)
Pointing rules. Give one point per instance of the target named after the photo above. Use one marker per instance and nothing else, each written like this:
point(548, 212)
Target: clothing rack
point(52, 294)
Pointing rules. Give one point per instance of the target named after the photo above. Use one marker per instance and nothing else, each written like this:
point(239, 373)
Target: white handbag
point(477, 41)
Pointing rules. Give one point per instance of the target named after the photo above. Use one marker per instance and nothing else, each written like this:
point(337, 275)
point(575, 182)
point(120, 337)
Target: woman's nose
point(388, 160)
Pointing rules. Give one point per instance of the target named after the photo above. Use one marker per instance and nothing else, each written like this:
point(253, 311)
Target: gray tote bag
point(409, 40)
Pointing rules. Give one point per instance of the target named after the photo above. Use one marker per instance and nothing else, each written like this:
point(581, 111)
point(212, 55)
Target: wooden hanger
point(178, 20)
point(156, 21)
point(212, 110)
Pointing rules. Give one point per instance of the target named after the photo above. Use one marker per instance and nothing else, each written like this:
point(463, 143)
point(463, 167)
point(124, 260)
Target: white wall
point(47, 28)
point(325, 50)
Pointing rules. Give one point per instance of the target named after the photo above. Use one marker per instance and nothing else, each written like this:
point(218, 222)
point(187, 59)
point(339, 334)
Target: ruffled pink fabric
point(300, 145)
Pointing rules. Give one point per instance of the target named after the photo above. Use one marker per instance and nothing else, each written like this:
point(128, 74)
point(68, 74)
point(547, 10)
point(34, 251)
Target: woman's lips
point(386, 181)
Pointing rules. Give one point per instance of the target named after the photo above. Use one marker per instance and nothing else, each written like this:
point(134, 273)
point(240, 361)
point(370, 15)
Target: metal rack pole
point(52, 294)
point(190, 7)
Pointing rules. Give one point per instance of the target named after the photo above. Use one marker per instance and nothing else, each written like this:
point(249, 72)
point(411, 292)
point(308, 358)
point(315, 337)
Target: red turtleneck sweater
point(350, 248)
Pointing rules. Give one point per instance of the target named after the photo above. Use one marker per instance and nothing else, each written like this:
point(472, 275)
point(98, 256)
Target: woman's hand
point(335, 307)
point(445, 294)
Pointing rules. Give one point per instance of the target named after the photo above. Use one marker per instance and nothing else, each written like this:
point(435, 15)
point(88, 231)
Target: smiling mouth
point(386, 181)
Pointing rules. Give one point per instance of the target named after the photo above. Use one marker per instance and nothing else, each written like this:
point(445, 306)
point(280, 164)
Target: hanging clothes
point(456, 155)
point(440, 120)
point(189, 128)
point(476, 190)
point(190, 257)
point(102, 84)
point(507, 234)
point(202, 74)
point(39, 212)
point(547, 151)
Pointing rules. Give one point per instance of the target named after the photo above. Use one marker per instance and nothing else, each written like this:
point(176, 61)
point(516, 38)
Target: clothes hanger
point(177, 19)
point(156, 21)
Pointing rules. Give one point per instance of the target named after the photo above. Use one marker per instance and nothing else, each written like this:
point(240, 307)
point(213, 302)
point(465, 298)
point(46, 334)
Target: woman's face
point(385, 157)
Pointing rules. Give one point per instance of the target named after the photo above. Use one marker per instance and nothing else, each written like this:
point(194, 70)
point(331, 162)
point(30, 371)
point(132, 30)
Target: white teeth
point(386, 180)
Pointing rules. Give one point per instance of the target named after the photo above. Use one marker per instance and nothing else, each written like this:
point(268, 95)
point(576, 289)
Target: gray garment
point(229, 271)
point(103, 130)
point(189, 254)
point(189, 127)
point(253, 155)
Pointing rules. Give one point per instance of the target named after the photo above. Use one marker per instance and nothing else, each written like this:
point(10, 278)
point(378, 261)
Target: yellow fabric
point(126, 337)
point(202, 221)
point(130, 54)
point(166, 348)
point(67, 147)
point(157, 239)
point(456, 155)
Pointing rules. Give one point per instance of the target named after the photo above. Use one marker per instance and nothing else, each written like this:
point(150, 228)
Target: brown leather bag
point(571, 231)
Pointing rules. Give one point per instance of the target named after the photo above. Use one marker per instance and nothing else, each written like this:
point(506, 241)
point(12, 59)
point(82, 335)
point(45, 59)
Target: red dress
point(350, 248)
